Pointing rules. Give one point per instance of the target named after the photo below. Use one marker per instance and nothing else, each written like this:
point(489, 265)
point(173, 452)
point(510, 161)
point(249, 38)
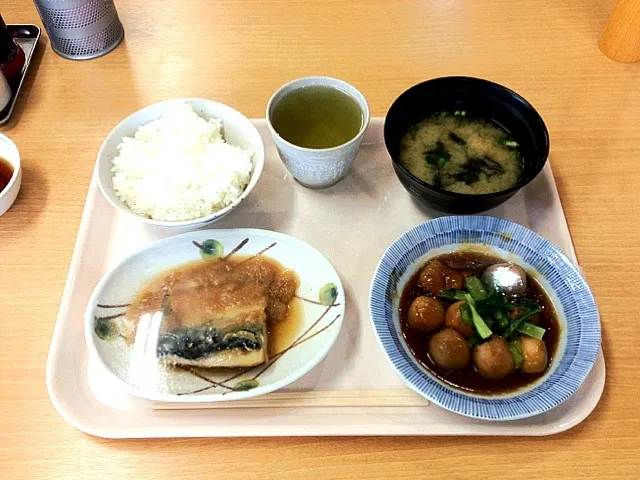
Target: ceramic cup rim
point(325, 81)
point(14, 160)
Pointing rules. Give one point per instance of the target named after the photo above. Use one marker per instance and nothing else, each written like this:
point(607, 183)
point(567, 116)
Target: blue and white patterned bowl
point(577, 311)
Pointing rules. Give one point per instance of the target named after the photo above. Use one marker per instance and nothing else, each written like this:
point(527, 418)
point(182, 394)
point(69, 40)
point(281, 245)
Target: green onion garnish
point(531, 330)
point(519, 321)
point(508, 142)
point(491, 304)
point(501, 319)
point(481, 327)
point(515, 347)
point(473, 341)
point(453, 295)
point(476, 288)
point(465, 314)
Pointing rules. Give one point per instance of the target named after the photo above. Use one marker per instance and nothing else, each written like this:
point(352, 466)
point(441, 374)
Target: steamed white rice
point(179, 167)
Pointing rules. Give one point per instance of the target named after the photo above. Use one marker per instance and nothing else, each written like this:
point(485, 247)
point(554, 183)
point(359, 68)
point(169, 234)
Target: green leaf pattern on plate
point(105, 328)
point(245, 385)
point(328, 294)
point(211, 249)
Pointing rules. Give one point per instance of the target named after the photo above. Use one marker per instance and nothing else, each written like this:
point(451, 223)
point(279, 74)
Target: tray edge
point(80, 245)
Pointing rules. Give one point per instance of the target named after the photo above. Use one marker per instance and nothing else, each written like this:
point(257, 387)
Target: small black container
point(482, 98)
point(26, 37)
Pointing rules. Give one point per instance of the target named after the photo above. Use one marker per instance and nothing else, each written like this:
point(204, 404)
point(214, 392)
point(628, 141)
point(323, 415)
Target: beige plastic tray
point(354, 391)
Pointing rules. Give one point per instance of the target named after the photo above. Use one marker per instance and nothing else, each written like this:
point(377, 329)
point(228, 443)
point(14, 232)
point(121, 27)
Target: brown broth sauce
point(283, 333)
point(467, 378)
point(6, 172)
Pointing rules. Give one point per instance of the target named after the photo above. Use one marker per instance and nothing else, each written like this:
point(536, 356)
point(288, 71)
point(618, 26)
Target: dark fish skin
point(196, 343)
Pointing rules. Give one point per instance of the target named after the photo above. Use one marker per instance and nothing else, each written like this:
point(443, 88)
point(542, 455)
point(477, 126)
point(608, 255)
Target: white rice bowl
point(179, 167)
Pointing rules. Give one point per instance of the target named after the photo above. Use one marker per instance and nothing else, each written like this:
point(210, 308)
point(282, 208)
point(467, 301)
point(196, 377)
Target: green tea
point(317, 117)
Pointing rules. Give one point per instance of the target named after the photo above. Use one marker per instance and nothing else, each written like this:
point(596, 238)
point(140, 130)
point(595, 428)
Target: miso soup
point(317, 117)
point(461, 153)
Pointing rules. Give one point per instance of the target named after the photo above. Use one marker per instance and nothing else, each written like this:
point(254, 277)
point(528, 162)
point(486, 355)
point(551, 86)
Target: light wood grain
point(239, 52)
point(620, 40)
point(334, 398)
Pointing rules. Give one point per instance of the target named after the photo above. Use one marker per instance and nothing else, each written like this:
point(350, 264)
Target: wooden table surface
point(239, 52)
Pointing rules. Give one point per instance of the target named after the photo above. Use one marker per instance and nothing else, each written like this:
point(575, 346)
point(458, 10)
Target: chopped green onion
point(437, 156)
point(476, 288)
point(473, 341)
point(460, 113)
point(532, 330)
point(437, 161)
point(491, 304)
point(453, 295)
point(515, 347)
point(481, 327)
point(469, 299)
point(465, 314)
point(515, 324)
point(508, 142)
point(501, 319)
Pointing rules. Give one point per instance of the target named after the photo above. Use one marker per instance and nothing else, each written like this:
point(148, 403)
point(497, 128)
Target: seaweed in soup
point(462, 153)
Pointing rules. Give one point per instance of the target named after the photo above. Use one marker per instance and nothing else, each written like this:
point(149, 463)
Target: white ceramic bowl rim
point(14, 161)
point(258, 165)
point(329, 82)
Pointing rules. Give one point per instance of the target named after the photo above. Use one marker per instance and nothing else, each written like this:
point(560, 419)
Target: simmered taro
point(426, 314)
point(493, 359)
point(479, 323)
point(453, 319)
point(534, 353)
point(448, 349)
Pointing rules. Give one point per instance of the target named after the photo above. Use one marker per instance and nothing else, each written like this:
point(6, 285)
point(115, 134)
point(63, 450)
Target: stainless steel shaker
point(81, 29)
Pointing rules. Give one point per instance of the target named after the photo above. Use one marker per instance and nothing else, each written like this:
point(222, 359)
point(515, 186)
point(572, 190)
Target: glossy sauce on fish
point(232, 299)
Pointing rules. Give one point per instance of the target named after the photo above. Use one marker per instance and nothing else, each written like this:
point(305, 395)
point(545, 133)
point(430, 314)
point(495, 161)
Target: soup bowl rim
point(544, 153)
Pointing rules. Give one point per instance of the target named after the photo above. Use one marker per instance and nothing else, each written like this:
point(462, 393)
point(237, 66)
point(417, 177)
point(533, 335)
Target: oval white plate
point(151, 379)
